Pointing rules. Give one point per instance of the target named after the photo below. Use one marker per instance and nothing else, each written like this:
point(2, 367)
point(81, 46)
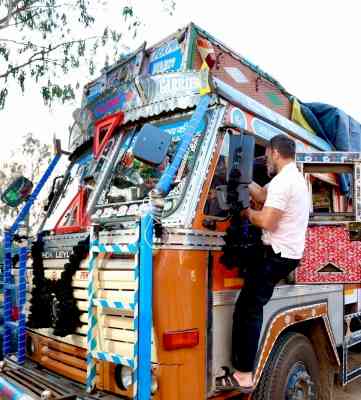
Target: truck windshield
point(132, 179)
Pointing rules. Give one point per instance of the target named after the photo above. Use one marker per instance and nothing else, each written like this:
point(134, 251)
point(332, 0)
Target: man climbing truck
point(284, 220)
point(130, 286)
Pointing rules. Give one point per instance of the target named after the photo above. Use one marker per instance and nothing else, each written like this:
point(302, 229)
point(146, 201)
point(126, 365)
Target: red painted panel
point(330, 245)
point(74, 218)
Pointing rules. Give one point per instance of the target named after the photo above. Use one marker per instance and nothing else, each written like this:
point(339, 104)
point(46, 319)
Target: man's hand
point(257, 192)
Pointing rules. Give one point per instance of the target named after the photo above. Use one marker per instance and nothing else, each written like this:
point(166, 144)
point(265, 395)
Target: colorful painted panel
point(240, 119)
point(241, 77)
point(236, 118)
point(330, 256)
point(125, 70)
point(167, 58)
point(132, 99)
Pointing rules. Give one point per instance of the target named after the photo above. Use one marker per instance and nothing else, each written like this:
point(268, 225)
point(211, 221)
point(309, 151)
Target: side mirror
point(240, 167)
point(241, 156)
point(57, 182)
point(17, 192)
point(151, 145)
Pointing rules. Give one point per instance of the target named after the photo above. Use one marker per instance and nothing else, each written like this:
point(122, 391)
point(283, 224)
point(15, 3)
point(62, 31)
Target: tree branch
point(42, 53)
point(22, 43)
point(25, 20)
point(4, 22)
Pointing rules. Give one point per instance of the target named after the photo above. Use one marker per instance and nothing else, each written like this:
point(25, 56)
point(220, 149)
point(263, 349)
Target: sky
point(311, 47)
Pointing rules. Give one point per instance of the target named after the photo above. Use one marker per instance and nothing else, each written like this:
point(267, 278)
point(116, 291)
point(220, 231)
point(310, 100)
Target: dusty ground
point(350, 392)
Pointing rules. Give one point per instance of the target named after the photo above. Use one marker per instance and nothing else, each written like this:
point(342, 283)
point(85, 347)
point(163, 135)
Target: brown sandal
point(228, 382)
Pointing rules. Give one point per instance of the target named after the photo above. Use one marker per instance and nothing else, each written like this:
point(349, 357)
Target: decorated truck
point(129, 287)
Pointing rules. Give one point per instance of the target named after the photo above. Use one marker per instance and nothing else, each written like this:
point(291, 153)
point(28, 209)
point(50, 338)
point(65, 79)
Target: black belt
point(268, 250)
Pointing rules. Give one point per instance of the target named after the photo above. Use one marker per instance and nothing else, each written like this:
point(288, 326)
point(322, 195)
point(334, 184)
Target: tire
point(292, 371)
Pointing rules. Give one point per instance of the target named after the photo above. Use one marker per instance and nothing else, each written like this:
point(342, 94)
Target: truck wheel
point(292, 371)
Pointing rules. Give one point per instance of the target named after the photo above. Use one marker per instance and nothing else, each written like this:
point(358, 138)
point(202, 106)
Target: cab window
point(214, 206)
point(328, 202)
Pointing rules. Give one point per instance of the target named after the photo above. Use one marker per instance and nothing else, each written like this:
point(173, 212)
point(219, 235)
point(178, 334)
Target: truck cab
point(127, 267)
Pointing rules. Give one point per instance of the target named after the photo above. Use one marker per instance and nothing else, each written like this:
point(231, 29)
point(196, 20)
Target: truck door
point(224, 283)
point(333, 244)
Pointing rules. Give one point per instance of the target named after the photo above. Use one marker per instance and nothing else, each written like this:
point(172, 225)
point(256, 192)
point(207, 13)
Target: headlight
point(123, 377)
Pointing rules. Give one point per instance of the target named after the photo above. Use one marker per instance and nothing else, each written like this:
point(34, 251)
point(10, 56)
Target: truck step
point(353, 374)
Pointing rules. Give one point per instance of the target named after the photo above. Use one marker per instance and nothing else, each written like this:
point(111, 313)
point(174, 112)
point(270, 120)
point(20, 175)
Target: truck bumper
point(9, 391)
point(31, 383)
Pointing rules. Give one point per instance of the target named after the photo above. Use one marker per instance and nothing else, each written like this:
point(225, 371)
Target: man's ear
point(275, 154)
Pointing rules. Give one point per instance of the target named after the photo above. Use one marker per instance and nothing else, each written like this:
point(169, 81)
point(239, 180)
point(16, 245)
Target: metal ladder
point(352, 338)
point(19, 326)
point(141, 307)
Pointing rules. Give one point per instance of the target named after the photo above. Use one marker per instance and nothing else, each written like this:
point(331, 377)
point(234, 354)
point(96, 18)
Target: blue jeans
point(260, 280)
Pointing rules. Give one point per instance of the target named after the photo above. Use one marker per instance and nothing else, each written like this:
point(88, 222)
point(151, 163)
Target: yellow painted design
point(205, 87)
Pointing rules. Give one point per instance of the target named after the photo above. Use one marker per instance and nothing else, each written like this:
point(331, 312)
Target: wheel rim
point(299, 384)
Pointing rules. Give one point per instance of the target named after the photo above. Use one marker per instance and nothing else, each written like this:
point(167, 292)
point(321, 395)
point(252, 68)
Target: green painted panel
point(274, 99)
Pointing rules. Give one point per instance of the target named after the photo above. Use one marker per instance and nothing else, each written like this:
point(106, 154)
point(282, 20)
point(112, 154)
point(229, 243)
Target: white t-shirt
point(288, 192)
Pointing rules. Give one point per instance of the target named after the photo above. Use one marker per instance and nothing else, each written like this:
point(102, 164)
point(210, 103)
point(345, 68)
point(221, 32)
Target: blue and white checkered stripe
point(131, 248)
point(92, 326)
point(117, 304)
point(93, 353)
point(113, 358)
point(136, 329)
point(135, 317)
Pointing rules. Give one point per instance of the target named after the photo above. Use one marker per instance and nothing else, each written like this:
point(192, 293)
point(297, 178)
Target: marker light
point(180, 339)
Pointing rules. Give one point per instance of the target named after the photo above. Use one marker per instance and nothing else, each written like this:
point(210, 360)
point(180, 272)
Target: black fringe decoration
point(53, 303)
point(243, 246)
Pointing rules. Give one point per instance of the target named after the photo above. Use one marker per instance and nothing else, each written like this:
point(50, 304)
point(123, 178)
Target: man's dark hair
point(284, 145)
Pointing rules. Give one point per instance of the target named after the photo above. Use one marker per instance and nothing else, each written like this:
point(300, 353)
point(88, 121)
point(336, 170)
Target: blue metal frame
point(145, 322)
point(20, 325)
point(167, 178)
point(29, 203)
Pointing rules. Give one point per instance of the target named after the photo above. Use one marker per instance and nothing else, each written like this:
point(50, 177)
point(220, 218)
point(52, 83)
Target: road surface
point(350, 392)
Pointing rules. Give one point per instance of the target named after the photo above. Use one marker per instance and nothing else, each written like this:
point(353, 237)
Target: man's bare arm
point(257, 192)
point(268, 218)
